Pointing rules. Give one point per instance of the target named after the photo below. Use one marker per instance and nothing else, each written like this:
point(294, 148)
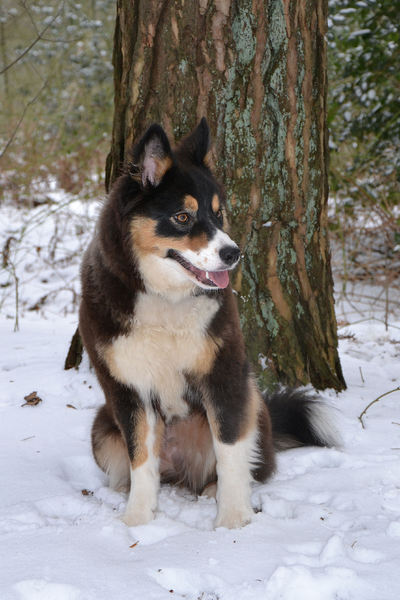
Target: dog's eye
point(182, 218)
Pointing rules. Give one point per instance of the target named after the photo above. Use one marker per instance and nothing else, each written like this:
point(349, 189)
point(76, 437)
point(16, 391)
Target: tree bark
point(258, 71)
point(74, 356)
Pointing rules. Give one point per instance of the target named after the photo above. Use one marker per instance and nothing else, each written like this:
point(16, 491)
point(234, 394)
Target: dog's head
point(176, 215)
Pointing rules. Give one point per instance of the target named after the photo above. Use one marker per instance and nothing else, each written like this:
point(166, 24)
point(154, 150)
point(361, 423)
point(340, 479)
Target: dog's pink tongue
point(220, 278)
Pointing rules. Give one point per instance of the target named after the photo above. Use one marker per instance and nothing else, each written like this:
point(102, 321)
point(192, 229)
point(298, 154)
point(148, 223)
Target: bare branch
point(35, 41)
point(11, 139)
point(29, 13)
point(360, 418)
point(46, 39)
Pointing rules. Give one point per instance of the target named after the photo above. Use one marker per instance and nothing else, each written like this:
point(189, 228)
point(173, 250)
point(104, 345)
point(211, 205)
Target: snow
point(359, 32)
point(326, 526)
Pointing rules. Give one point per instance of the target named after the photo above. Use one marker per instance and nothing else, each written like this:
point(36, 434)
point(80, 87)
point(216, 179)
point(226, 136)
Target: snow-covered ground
point(328, 523)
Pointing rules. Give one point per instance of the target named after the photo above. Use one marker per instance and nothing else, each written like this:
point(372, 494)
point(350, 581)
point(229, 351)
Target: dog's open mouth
point(219, 279)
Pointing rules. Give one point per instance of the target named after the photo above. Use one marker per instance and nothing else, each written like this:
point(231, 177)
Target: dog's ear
point(196, 145)
point(152, 157)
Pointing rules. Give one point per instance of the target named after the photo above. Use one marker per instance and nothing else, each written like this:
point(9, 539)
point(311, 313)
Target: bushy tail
point(300, 419)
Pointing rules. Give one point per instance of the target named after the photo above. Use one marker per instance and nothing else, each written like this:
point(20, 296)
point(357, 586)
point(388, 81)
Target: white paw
point(234, 517)
point(138, 516)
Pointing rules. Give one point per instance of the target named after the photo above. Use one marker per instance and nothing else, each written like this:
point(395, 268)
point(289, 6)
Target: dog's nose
point(229, 254)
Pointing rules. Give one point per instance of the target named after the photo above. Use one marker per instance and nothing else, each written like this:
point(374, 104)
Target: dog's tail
point(300, 419)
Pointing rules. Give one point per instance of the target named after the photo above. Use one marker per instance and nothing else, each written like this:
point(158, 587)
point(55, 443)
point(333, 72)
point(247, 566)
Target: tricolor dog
point(160, 324)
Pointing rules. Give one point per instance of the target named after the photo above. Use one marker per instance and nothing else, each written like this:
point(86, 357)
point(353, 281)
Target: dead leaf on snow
point(32, 399)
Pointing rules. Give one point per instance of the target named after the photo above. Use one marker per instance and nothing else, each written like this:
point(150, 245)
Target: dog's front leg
point(145, 476)
point(141, 428)
point(233, 486)
point(233, 422)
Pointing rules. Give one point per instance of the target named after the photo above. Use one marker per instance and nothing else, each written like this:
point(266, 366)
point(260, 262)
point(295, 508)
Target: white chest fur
point(167, 339)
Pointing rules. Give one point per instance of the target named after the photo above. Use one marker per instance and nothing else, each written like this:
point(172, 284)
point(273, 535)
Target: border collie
point(160, 324)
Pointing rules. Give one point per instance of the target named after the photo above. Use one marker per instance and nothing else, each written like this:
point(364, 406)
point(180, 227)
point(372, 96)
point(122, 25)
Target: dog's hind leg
point(109, 450)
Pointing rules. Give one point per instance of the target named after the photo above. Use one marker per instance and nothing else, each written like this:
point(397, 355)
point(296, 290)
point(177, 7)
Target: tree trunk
point(74, 356)
point(257, 70)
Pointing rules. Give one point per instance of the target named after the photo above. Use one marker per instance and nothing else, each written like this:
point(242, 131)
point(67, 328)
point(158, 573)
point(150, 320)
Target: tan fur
point(212, 420)
point(162, 166)
point(166, 340)
point(206, 356)
point(208, 159)
point(141, 432)
point(112, 457)
point(195, 244)
point(144, 237)
point(159, 434)
point(147, 241)
point(215, 204)
point(254, 406)
point(190, 203)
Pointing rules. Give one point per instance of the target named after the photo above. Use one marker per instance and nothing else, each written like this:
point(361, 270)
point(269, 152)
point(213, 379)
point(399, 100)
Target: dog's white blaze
point(145, 482)
point(234, 463)
point(166, 340)
point(208, 258)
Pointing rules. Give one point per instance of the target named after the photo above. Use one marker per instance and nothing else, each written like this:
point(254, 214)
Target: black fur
point(292, 412)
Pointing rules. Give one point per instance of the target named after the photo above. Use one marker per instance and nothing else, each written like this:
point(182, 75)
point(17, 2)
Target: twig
point(45, 39)
point(16, 280)
point(386, 303)
point(35, 41)
point(362, 376)
point(11, 139)
point(368, 319)
point(375, 298)
point(360, 418)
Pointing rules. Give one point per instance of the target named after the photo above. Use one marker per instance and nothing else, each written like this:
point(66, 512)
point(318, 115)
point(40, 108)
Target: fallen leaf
point(134, 544)
point(32, 399)
point(70, 406)
point(86, 493)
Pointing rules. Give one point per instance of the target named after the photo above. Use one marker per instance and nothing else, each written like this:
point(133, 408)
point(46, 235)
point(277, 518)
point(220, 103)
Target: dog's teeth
point(207, 275)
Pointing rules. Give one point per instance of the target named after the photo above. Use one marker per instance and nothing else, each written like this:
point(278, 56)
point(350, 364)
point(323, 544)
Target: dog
point(160, 324)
